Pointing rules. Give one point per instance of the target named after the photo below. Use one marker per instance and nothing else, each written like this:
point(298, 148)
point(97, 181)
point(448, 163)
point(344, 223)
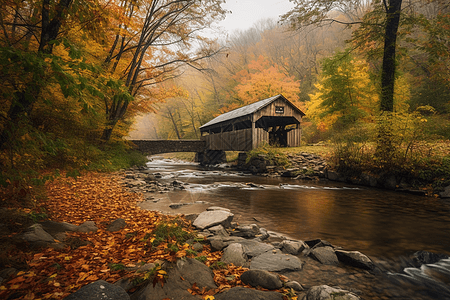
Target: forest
point(79, 77)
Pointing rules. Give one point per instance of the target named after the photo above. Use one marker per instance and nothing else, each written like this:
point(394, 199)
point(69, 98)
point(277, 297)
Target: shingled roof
point(246, 110)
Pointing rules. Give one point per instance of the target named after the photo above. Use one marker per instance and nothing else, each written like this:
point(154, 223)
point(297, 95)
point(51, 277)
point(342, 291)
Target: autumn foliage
point(110, 256)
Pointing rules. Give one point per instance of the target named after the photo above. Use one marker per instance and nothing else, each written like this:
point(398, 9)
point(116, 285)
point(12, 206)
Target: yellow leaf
point(209, 298)
point(162, 272)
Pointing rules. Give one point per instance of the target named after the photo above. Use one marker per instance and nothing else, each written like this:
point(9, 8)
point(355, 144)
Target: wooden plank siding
point(269, 110)
point(294, 137)
point(239, 140)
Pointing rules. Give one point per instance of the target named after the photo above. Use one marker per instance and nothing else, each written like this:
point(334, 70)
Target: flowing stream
point(376, 222)
point(379, 223)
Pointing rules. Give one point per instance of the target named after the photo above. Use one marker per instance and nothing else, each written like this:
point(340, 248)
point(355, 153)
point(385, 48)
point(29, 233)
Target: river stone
point(53, 227)
point(254, 248)
point(180, 277)
point(218, 230)
point(294, 285)
point(99, 290)
point(247, 231)
point(261, 278)
point(445, 193)
point(276, 261)
point(355, 259)
point(325, 255)
point(234, 254)
point(35, 233)
point(293, 247)
point(241, 293)
point(325, 292)
point(219, 242)
point(425, 257)
point(87, 226)
point(212, 218)
point(116, 225)
point(213, 208)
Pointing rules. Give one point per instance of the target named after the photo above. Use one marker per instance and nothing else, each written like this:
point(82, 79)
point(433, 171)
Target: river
point(376, 222)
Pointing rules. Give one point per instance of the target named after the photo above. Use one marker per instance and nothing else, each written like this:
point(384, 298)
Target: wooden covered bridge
point(274, 120)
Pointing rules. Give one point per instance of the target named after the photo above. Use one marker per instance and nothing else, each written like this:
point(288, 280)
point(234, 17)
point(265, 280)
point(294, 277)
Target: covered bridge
point(274, 120)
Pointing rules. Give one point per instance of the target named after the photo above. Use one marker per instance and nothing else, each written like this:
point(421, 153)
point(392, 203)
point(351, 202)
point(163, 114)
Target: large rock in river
point(325, 255)
point(212, 218)
point(355, 259)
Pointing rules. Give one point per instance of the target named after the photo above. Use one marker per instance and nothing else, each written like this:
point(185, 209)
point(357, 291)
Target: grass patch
point(273, 156)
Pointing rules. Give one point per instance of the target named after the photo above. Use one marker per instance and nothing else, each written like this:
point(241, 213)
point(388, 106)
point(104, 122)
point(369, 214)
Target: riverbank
point(108, 237)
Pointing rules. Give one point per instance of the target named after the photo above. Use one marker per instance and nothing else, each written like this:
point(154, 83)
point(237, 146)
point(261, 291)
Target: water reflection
point(376, 222)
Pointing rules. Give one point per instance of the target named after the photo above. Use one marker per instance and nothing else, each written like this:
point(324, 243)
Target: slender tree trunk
point(388, 69)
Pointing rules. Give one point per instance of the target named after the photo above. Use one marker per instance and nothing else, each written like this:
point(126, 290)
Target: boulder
point(247, 231)
point(213, 208)
point(254, 248)
point(425, 257)
point(55, 228)
point(218, 230)
point(261, 278)
point(36, 234)
point(219, 242)
point(293, 247)
point(116, 225)
point(99, 290)
point(241, 293)
point(355, 259)
point(88, 226)
point(325, 255)
point(212, 218)
point(181, 276)
point(294, 285)
point(276, 261)
point(234, 254)
point(445, 193)
point(325, 292)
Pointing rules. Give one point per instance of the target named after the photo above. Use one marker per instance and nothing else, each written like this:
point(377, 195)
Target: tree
point(166, 38)
point(262, 80)
point(345, 93)
point(308, 12)
point(26, 93)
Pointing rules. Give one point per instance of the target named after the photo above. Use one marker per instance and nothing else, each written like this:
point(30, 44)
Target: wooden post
point(254, 135)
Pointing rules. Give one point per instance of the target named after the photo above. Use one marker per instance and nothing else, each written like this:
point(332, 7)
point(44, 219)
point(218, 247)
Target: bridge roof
point(246, 110)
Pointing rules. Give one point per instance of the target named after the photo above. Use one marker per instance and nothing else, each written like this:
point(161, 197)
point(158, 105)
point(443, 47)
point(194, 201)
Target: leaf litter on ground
point(110, 256)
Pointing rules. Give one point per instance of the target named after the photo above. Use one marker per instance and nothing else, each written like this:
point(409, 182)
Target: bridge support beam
point(211, 157)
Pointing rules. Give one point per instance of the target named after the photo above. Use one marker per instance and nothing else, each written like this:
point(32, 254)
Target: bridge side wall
point(167, 146)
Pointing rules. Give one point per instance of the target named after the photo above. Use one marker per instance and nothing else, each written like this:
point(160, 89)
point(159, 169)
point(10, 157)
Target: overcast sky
point(246, 12)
